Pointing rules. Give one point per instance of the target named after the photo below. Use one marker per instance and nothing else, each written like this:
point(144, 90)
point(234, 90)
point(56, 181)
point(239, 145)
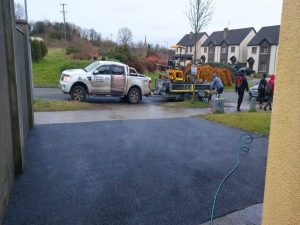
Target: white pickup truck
point(105, 78)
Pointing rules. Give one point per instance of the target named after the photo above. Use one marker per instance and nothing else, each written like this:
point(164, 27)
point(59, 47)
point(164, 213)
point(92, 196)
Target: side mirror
point(95, 72)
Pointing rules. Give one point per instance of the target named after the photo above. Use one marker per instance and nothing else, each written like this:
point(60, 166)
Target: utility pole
point(64, 12)
point(111, 35)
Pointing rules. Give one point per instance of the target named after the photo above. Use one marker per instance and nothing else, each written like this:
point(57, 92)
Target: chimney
point(191, 35)
point(226, 33)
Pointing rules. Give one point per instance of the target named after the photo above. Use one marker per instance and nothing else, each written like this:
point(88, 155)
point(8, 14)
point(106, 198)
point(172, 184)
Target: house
point(263, 50)
point(189, 42)
point(227, 46)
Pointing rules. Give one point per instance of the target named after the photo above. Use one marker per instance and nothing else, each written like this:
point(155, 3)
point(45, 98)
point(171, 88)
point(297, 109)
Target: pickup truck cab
point(105, 78)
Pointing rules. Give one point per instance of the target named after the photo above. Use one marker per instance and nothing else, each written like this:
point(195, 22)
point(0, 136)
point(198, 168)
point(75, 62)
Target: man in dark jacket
point(262, 90)
point(241, 84)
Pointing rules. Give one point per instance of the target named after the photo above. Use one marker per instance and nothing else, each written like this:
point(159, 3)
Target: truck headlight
point(66, 78)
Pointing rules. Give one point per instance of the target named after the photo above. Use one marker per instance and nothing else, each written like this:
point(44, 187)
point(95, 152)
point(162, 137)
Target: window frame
point(99, 73)
point(252, 50)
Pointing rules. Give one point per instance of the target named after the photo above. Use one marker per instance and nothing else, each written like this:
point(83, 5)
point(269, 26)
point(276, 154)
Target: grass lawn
point(47, 72)
point(257, 122)
point(47, 106)
point(187, 104)
point(153, 76)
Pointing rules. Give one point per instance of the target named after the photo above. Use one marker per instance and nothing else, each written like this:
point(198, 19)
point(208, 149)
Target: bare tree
point(19, 11)
point(199, 13)
point(124, 35)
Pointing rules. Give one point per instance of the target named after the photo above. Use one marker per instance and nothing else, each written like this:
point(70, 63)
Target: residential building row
point(245, 46)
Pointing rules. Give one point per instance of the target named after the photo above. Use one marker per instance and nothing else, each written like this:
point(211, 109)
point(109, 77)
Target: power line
point(64, 12)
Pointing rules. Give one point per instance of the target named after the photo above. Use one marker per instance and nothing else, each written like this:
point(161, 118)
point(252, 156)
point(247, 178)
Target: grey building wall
point(16, 116)
point(6, 148)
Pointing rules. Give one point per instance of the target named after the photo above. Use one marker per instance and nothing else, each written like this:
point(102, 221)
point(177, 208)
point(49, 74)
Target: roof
point(189, 40)
point(235, 37)
point(270, 34)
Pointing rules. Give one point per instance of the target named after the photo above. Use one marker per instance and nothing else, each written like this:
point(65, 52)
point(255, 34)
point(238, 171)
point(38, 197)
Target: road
point(230, 97)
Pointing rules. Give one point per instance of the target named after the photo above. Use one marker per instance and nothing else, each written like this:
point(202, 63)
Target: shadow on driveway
point(139, 172)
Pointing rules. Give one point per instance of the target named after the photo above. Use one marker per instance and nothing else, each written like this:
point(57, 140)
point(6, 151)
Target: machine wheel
point(78, 94)
point(134, 95)
point(187, 97)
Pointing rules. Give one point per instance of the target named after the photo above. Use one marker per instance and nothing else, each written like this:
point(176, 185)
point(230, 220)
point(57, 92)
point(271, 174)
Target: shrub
point(150, 65)
point(72, 49)
point(138, 64)
point(80, 49)
point(38, 50)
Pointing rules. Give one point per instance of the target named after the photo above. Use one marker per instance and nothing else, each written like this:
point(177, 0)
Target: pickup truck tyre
point(134, 95)
point(78, 94)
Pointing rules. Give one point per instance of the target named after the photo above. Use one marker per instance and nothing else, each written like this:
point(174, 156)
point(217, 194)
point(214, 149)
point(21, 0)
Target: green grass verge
point(47, 72)
point(257, 122)
point(187, 104)
point(48, 106)
point(153, 76)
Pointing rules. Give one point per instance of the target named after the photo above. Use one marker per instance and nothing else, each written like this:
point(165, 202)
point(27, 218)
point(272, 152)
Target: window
point(211, 49)
point(264, 50)
point(223, 50)
point(117, 70)
point(254, 50)
point(133, 72)
point(104, 69)
point(205, 50)
point(191, 49)
point(91, 67)
point(263, 67)
point(232, 49)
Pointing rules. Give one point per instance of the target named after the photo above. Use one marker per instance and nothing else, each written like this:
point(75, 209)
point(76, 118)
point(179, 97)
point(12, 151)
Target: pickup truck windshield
point(91, 67)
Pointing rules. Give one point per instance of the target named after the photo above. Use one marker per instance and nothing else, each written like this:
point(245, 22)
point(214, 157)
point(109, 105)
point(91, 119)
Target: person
point(270, 91)
point(241, 84)
point(262, 90)
point(95, 57)
point(217, 84)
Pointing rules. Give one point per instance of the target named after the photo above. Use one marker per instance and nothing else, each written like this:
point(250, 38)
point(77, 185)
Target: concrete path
point(145, 172)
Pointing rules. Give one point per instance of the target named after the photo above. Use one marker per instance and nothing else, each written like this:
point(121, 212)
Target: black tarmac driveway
point(141, 172)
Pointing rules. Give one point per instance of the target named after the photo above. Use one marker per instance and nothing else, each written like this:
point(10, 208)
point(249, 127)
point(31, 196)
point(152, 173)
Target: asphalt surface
point(55, 94)
point(144, 172)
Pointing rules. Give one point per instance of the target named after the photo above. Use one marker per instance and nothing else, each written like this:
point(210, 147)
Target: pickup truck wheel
point(134, 95)
point(78, 93)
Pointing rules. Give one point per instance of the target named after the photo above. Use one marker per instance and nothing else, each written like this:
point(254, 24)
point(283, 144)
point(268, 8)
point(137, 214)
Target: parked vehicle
point(247, 71)
point(105, 78)
point(253, 91)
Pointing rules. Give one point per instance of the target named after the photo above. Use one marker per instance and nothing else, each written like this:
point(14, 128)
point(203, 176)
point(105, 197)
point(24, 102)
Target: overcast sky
point(162, 21)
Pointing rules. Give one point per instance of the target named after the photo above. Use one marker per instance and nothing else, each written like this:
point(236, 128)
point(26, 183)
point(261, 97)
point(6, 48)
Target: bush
point(150, 65)
point(72, 49)
point(38, 50)
point(138, 64)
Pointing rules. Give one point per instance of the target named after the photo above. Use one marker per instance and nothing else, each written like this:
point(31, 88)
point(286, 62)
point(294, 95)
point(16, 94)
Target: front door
point(118, 79)
point(101, 80)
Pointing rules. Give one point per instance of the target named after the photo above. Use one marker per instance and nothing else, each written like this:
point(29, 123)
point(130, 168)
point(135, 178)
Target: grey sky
point(162, 21)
